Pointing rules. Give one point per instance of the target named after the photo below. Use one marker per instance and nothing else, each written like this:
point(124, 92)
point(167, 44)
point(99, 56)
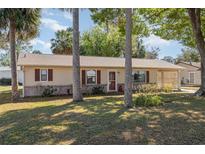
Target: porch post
point(179, 79)
point(162, 79)
point(23, 83)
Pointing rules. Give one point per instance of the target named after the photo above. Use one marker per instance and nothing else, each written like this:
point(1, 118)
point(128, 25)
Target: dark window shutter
point(98, 76)
point(50, 74)
point(37, 74)
point(147, 74)
point(83, 77)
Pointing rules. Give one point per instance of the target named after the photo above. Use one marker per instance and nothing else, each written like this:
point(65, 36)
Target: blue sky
point(55, 19)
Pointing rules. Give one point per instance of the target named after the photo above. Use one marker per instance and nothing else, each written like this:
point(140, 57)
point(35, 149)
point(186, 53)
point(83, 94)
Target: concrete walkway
point(188, 90)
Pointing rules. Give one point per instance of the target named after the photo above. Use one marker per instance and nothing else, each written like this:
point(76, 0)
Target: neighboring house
point(5, 72)
point(41, 70)
point(191, 73)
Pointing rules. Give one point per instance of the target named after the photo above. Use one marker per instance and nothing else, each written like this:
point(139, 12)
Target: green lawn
point(5, 88)
point(101, 120)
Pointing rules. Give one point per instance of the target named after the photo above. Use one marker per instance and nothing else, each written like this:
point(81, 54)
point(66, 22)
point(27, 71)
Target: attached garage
point(168, 78)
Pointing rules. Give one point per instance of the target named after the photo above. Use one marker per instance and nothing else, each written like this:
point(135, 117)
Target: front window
point(91, 77)
point(44, 75)
point(139, 76)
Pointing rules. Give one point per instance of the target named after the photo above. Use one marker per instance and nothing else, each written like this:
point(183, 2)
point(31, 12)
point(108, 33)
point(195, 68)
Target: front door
point(112, 81)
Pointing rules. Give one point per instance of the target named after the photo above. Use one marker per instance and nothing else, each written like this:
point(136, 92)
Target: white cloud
point(44, 44)
point(47, 12)
point(52, 24)
point(67, 15)
point(61, 14)
point(156, 41)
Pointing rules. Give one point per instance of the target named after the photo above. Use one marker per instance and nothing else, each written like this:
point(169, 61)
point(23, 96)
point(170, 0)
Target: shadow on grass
point(106, 121)
point(5, 97)
point(58, 124)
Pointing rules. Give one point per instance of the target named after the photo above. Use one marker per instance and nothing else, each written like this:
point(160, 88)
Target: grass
point(5, 88)
point(101, 120)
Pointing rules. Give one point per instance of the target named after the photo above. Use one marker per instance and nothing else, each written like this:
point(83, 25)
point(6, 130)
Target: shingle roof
point(195, 64)
point(90, 61)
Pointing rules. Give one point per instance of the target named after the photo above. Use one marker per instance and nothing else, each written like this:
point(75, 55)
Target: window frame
point(87, 76)
point(137, 71)
point(46, 75)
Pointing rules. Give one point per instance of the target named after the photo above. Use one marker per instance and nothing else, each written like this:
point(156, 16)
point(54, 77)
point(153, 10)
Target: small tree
point(189, 54)
point(169, 59)
point(139, 50)
point(153, 54)
point(97, 41)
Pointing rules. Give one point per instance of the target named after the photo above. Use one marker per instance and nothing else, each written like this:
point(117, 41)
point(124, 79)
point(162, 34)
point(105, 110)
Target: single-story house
point(5, 72)
point(41, 70)
point(191, 74)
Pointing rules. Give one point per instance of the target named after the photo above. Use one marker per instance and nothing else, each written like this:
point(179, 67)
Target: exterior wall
point(62, 80)
point(185, 74)
point(38, 90)
point(198, 77)
point(61, 76)
point(60, 90)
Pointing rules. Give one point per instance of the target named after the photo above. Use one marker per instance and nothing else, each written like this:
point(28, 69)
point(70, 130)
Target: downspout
point(23, 81)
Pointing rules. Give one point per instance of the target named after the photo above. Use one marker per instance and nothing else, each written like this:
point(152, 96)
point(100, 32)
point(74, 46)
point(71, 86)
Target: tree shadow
point(104, 120)
point(40, 125)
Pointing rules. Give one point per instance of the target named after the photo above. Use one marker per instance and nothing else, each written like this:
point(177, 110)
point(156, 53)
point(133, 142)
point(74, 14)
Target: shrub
point(5, 81)
point(167, 88)
point(148, 88)
point(49, 91)
point(97, 90)
point(147, 100)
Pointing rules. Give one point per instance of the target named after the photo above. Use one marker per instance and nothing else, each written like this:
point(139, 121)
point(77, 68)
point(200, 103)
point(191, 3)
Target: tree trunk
point(201, 91)
point(128, 59)
point(195, 18)
point(77, 95)
point(12, 41)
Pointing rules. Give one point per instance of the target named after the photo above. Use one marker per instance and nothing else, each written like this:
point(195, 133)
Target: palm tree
point(77, 95)
point(128, 59)
point(21, 24)
point(62, 43)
